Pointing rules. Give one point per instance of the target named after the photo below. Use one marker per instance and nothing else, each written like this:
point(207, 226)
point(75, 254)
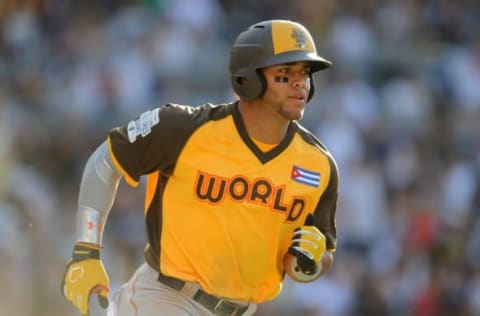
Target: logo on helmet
point(299, 36)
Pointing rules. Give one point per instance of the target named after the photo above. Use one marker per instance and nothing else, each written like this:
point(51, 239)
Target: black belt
point(218, 306)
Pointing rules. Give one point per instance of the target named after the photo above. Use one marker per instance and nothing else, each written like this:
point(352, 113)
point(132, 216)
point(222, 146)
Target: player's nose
point(300, 81)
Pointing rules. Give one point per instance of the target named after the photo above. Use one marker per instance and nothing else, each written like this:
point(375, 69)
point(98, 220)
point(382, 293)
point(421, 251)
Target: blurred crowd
point(399, 109)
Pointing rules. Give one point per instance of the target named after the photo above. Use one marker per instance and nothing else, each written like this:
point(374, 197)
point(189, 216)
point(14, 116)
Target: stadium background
point(400, 110)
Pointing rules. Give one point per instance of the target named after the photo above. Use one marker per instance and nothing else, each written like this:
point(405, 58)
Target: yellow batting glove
point(85, 275)
point(308, 246)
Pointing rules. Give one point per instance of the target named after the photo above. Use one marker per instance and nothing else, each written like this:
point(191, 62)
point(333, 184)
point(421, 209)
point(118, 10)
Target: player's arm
point(85, 273)
point(313, 244)
point(98, 189)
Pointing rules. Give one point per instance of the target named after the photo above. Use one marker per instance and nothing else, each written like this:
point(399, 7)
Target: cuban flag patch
point(306, 177)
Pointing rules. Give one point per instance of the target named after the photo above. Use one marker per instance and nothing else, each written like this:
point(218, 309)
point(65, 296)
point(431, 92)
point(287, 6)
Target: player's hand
point(308, 246)
point(85, 275)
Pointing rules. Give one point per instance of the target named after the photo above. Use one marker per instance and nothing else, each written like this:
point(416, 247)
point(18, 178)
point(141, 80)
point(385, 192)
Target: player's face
point(288, 86)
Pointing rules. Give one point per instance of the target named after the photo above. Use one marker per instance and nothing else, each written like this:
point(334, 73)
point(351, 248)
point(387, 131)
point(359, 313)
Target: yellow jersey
point(219, 211)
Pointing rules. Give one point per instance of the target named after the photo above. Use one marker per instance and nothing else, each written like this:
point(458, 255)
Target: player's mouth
point(298, 99)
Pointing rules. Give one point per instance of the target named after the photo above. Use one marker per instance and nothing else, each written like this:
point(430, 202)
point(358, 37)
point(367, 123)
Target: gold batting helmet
point(269, 43)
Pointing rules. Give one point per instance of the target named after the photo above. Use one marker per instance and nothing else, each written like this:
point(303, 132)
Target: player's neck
point(262, 125)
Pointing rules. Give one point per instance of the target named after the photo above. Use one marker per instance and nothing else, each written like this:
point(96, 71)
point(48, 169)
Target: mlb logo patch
point(306, 177)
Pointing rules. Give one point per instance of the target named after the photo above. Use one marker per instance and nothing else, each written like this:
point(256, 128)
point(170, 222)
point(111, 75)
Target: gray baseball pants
point(144, 295)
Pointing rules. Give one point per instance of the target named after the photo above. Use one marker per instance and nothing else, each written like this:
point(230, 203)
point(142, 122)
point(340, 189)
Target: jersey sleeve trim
point(127, 177)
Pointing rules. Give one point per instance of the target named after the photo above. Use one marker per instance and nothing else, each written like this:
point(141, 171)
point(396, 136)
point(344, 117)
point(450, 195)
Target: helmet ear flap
point(250, 86)
point(312, 88)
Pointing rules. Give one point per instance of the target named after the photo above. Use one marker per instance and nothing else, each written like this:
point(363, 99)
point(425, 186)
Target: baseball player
point(237, 195)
